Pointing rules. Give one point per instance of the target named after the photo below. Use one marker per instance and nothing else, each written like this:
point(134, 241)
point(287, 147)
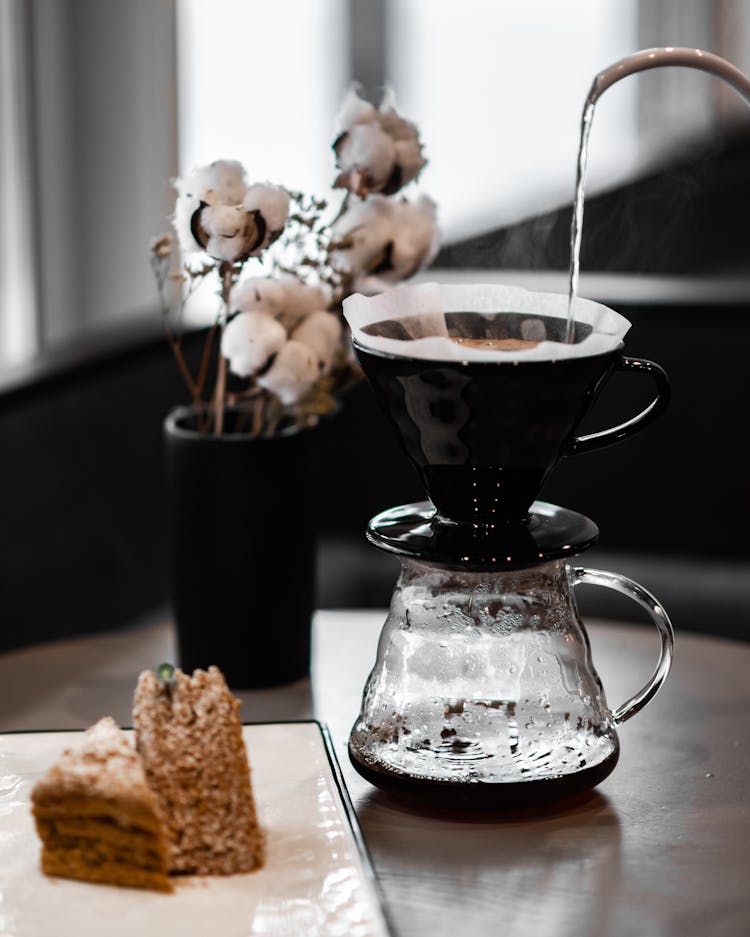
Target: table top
point(661, 847)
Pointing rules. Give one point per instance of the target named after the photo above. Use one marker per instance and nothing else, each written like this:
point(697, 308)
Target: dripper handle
point(598, 577)
point(608, 436)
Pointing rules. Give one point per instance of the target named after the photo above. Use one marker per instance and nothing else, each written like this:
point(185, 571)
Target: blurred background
point(103, 102)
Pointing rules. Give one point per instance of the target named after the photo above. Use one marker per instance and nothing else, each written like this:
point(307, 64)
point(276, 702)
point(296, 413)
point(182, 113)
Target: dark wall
point(689, 217)
point(82, 534)
point(680, 486)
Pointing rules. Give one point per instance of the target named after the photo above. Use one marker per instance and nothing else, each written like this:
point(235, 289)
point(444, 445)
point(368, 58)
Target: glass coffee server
point(484, 693)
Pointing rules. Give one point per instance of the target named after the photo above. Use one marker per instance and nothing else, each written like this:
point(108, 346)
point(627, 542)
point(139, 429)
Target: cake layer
point(144, 848)
point(77, 864)
point(95, 852)
point(128, 815)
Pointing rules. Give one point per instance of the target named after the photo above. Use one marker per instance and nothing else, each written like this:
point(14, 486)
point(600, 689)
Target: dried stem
point(273, 423)
point(220, 401)
point(205, 358)
point(257, 416)
point(226, 273)
point(174, 344)
point(160, 267)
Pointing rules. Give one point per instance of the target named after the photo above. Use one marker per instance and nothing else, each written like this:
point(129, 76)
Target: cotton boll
point(367, 144)
point(414, 243)
point(223, 182)
point(418, 237)
point(272, 202)
point(222, 221)
point(409, 158)
point(250, 340)
point(321, 331)
point(299, 298)
point(366, 227)
point(287, 298)
point(298, 301)
point(220, 183)
point(388, 240)
point(292, 374)
point(361, 213)
point(377, 150)
point(354, 110)
point(227, 232)
point(367, 149)
point(218, 213)
point(262, 294)
point(396, 126)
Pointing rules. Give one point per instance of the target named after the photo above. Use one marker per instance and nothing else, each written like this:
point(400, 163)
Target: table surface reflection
point(662, 847)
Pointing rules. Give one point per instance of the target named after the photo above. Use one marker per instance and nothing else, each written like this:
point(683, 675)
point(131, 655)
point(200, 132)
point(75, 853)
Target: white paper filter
point(421, 311)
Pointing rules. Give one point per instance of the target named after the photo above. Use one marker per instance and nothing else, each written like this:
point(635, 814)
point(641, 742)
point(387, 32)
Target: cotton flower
point(300, 299)
point(222, 182)
point(258, 294)
point(366, 156)
point(292, 374)
point(227, 232)
point(320, 331)
point(383, 241)
point(274, 313)
point(249, 342)
point(376, 149)
point(273, 203)
point(217, 212)
point(287, 298)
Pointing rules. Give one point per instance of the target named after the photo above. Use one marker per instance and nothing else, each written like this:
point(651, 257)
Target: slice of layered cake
point(97, 817)
point(189, 735)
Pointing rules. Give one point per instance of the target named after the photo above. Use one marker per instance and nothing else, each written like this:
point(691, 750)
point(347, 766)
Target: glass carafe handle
point(599, 577)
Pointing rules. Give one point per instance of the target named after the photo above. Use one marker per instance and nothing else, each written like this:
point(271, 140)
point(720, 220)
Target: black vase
point(242, 550)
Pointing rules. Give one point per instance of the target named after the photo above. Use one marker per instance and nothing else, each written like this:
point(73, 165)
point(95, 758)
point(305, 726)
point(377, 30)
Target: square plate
point(317, 879)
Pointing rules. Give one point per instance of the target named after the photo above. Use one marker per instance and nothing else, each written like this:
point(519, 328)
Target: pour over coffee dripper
point(484, 692)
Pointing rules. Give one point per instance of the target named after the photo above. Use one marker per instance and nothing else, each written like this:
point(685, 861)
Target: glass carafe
point(484, 691)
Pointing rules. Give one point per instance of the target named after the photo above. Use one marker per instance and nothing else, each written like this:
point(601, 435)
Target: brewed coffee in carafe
point(485, 678)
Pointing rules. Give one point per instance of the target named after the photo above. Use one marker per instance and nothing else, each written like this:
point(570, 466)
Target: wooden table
point(662, 847)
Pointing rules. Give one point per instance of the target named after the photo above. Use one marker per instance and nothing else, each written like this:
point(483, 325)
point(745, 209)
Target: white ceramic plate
point(317, 879)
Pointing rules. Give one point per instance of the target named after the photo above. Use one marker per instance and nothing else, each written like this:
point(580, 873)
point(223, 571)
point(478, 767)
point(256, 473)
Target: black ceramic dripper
point(484, 435)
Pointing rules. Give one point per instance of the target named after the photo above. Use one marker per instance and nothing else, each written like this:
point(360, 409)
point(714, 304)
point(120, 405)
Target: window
point(500, 105)
point(18, 293)
point(88, 89)
point(267, 92)
point(103, 101)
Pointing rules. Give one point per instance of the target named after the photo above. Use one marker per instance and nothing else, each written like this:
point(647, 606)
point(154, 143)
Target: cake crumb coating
point(96, 816)
point(189, 736)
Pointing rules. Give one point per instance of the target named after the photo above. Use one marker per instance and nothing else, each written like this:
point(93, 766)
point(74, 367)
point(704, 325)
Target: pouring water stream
point(638, 62)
